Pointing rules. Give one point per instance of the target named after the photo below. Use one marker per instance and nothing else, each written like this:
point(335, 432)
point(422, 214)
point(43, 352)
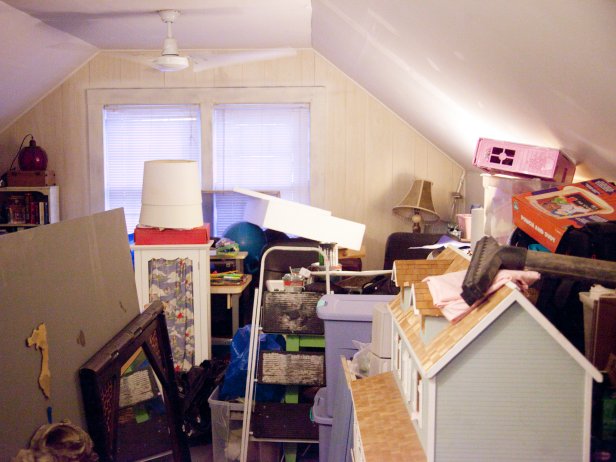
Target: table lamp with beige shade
point(417, 205)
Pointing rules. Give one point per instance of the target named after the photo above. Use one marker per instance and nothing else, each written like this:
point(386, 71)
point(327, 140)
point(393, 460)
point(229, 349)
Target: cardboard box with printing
point(546, 215)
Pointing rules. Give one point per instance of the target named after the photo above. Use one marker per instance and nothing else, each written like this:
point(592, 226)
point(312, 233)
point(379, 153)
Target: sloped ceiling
point(536, 72)
point(34, 58)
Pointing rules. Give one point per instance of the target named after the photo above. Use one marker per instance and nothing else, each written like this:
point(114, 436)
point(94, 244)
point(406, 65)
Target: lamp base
point(416, 219)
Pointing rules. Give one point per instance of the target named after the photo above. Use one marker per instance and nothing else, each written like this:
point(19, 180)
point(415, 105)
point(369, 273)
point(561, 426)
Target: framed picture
point(130, 395)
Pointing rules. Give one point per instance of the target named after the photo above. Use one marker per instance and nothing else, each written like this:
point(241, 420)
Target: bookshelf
point(23, 207)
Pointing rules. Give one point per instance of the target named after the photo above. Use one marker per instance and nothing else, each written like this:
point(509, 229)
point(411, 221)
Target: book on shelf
point(43, 213)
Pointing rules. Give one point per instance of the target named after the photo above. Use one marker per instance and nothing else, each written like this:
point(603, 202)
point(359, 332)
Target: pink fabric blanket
point(445, 290)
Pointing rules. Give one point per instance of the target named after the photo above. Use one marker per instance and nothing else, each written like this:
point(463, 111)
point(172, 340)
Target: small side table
point(233, 293)
point(239, 259)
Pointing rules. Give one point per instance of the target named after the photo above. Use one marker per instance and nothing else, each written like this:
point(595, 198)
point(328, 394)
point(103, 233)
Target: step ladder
point(294, 315)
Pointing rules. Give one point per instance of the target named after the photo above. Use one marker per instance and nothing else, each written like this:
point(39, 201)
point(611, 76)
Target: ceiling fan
point(171, 60)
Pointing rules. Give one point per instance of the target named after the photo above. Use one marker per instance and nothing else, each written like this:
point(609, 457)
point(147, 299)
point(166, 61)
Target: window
point(418, 396)
point(136, 133)
point(406, 375)
point(398, 355)
point(263, 147)
point(199, 104)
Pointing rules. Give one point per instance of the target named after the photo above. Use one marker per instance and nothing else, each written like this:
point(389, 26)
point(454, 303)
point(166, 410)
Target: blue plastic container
point(320, 417)
point(346, 318)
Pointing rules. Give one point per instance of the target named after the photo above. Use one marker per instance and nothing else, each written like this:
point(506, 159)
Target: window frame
point(417, 405)
point(206, 98)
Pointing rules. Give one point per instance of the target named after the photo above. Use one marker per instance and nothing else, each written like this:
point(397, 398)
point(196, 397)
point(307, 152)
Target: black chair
point(397, 247)
point(278, 262)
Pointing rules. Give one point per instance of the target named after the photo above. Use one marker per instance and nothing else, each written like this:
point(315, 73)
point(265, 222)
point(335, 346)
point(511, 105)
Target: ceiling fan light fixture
point(171, 63)
point(170, 47)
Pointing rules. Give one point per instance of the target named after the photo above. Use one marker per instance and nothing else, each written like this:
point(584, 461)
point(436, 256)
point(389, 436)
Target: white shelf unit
point(199, 255)
point(40, 194)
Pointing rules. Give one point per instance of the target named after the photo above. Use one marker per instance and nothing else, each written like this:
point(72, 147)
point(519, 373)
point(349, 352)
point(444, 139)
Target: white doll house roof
point(452, 339)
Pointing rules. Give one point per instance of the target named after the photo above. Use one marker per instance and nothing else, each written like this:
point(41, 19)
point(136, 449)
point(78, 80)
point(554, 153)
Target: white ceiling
point(532, 71)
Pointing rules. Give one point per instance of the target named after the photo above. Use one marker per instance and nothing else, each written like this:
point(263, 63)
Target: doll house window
point(417, 397)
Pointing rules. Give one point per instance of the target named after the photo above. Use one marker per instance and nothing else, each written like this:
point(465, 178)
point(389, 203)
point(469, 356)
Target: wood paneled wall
point(370, 158)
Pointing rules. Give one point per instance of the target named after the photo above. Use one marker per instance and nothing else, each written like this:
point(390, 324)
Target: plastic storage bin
point(498, 192)
point(320, 417)
point(381, 331)
point(345, 318)
point(226, 428)
point(227, 434)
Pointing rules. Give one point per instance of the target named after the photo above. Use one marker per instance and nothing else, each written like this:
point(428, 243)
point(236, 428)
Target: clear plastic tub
point(325, 422)
point(226, 428)
point(498, 192)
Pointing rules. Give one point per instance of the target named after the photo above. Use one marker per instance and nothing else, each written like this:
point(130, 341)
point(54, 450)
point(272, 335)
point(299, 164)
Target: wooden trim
point(431, 424)
point(587, 418)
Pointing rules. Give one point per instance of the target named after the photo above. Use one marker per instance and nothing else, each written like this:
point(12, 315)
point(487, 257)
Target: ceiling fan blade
point(204, 61)
point(136, 57)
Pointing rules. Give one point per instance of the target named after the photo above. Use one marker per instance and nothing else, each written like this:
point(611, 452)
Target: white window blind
point(263, 147)
point(136, 133)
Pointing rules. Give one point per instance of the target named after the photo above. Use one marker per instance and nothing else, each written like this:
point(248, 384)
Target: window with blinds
point(263, 147)
point(136, 133)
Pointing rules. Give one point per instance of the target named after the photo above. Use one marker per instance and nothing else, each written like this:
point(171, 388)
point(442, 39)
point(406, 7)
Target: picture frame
point(130, 395)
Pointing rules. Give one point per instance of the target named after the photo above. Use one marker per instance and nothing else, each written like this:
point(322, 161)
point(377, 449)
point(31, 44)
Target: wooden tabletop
point(232, 289)
point(241, 255)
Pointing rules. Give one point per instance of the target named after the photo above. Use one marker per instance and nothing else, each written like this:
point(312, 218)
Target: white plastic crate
point(227, 419)
point(498, 193)
point(226, 428)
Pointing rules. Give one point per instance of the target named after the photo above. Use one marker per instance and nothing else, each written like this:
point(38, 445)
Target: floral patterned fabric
point(171, 282)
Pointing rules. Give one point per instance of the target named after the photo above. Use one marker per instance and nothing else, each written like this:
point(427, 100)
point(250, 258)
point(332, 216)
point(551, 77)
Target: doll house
point(500, 384)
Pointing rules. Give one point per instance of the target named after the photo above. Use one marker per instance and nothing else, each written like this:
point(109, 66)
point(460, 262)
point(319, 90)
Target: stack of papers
point(227, 278)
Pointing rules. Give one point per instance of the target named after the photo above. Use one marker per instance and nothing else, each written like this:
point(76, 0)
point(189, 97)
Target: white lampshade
point(171, 194)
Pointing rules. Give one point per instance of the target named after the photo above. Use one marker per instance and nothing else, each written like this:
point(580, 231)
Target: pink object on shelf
point(464, 224)
point(523, 160)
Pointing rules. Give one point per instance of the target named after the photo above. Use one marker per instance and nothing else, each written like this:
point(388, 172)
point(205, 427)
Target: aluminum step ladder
point(261, 420)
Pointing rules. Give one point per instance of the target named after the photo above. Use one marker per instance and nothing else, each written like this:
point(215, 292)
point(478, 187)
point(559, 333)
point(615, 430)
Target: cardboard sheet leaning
point(75, 277)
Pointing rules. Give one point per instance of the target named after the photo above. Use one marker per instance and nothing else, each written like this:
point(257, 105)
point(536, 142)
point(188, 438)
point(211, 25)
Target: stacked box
point(546, 215)
point(498, 193)
point(31, 178)
point(162, 236)
point(523, 160)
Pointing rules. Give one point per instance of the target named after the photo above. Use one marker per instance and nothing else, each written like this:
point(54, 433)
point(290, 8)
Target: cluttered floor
point(205, 453)
point(219, 437)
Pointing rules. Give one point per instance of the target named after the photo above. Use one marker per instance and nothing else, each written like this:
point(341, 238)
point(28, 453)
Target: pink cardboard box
point(523, 160)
